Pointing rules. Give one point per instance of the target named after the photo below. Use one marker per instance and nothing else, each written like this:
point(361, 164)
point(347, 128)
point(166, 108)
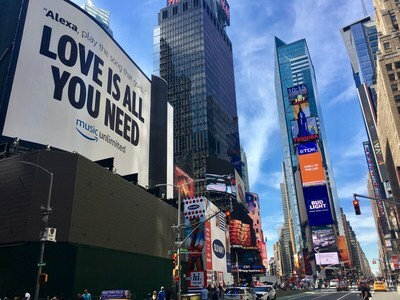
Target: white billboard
point(75, 89)
point(327, 258)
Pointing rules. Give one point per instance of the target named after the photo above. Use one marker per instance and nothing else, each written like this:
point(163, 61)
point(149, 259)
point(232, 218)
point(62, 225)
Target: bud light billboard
point(317, 204)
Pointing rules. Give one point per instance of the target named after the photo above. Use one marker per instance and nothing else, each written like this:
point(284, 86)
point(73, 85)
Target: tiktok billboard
point(317, 204)
point(73, 87)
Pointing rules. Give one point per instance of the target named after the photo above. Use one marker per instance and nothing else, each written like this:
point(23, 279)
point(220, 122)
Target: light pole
point(45, 211)
point(178, 239)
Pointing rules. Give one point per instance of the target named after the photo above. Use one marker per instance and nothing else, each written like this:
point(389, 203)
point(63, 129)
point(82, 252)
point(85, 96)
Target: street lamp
point(178, 239)
point(45, 211)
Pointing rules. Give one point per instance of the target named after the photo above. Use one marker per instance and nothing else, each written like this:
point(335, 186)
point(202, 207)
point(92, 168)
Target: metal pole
point(46, 221)
point(179, 246)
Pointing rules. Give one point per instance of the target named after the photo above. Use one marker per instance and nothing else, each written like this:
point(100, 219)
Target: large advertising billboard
point(324, 240)
point(207, 245)
point(317, 204)
point(311, 169)
point(185, 182)
point(75, 89)
point(343, 249)
point(328, 258)
point(298, 94)
point(304, 129)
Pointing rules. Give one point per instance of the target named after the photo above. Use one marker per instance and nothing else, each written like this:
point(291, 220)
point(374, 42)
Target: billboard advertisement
point(311, 169)
point(226, 9)
point(324, 240)
point(208, 244)
point(90, 96)
point(328, 258)
point(304, 129)
point(298, 94)
point(240, 190)
point(221, 183)
point(343, 250)
point(185, 182)
point(317, 204)
point(307, 148)
point(239, 234)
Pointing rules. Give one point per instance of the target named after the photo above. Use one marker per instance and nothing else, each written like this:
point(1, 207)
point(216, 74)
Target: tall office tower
point(102, 16)
point(361, 41)
point(313, 200)
point(194, 55)
point(287, 230)
point(245, 170)
point(388, 89)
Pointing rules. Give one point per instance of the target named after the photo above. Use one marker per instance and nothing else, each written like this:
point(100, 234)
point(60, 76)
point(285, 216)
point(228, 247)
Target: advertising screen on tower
point(304, 129)
point(74, 88)
point(317, 204)
point(324, 240)
point(297, 94)
point(311, 169)
point(185, 182)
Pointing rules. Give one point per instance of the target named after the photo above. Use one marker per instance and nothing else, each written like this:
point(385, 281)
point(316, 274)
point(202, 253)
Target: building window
point(196, 3)
point(389, 67)
point(175, 10)
point(397, 64)
point(185, 6)
point(394, 87)
point(386, 45)
point(397, 98)
point(392, 77)
point(165, 14)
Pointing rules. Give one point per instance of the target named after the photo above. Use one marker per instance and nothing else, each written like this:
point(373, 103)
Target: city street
point(332, 294)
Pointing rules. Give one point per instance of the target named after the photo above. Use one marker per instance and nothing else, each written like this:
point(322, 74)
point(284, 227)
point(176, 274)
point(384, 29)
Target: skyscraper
point(194, 55)
point(388, 89)
point(313, 201)
point(101, 15)
point(361, 41)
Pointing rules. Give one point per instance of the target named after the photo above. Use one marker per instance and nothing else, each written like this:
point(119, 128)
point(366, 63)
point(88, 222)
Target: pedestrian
point(214, 295)
point(27, 296)
point(204, 293)
point(86, 295)
point(154, 296)
point(365, 293)
point(221, 291)
point(79, 296)
point(161, 294)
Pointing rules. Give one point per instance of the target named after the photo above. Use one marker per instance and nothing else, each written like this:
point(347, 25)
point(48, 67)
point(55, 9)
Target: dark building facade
point(194, 56)
point(111, 234)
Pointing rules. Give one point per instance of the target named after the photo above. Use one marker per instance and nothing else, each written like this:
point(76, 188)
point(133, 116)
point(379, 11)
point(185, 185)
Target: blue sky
point(253, 27)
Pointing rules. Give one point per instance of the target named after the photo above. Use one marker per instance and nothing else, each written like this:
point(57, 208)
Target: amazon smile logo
point(86, 130)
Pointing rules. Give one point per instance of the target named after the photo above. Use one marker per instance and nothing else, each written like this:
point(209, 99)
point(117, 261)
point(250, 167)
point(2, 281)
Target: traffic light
point(356, 205)
point(43, 277)
point(227, 215)
point(174, 260)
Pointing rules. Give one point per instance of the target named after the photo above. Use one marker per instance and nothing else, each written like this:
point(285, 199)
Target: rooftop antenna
point(364, 8)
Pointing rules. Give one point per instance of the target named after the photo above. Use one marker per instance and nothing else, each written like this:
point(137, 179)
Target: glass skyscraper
point(304, 144)
point(194, 55)
point(361, 41)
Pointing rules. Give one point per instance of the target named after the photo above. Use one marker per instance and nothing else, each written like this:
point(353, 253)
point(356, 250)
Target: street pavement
point(332, 294)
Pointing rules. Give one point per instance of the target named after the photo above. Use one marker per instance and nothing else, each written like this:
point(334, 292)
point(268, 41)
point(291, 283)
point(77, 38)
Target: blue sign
point(317, 204)
point(218, 248)
point(307, 148)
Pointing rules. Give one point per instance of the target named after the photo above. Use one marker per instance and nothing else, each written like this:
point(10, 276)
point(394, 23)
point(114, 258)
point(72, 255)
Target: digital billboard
point(240, 190)
point(221, 183)
point(317, 205)
point(328, 258)
point(311, 169)
point(324, 240)
point(185, 182)
point(343, 249)
point(90, 96)
point(304, 129)
point(307, 148)
point(297, 94)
